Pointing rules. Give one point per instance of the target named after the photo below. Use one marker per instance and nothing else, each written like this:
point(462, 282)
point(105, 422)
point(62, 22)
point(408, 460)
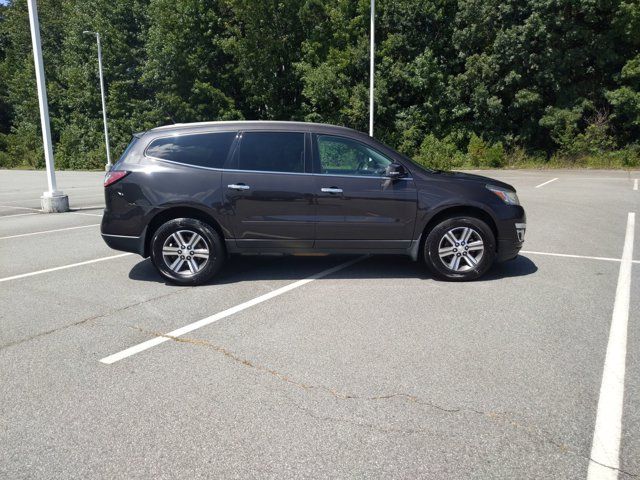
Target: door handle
point(331, 190)
point(238, 186)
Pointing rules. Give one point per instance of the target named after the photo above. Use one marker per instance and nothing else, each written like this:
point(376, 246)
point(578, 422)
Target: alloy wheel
point(461, 249)
point(185, 252)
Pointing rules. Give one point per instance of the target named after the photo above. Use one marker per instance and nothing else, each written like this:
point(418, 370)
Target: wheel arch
point(455, 211)
point(178, 212)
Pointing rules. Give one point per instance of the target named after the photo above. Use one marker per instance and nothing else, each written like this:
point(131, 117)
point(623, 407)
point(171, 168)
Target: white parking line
point(566, 255)
point(87, 214)
point(545, 183)
point(64, 267)
point(20, 208)
point(225, 313)
point(635, 184)
point(92, 207)
point(49, 231)
point(19, 215)
point(605, 449)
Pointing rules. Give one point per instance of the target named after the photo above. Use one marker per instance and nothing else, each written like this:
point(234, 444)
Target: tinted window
point(203, 149)
point(272, 152)
point(341, 156)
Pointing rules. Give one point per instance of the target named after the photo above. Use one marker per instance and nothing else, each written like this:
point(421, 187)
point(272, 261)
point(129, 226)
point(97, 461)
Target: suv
point(189, 195)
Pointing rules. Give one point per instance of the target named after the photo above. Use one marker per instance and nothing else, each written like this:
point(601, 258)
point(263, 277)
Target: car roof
point(257, 125)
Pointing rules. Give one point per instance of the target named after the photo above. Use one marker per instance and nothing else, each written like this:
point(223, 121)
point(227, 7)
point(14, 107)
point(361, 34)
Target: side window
point(342, 156)
point(202, 149)
point(272, 152)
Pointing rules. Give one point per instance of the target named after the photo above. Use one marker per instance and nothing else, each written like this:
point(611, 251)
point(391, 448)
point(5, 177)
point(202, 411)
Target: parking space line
point(225, 313)
point(19, 215)
point(49, 231)
point(20, 208)
point(567, 255)
point(547, 182)
point(635, 184)
point(87, 214)
point(64, 267)
point(605, 450)
point(92, 207)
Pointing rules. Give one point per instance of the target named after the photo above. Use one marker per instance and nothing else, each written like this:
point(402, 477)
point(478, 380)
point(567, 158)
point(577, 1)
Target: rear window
point(132, 144)
point(272, 152)
point(202, 149)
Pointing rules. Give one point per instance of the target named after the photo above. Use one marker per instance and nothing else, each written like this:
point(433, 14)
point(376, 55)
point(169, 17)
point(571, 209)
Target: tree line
point(458, 82)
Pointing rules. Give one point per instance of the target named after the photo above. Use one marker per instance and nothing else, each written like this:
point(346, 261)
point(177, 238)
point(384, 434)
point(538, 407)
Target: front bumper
point(511, 234)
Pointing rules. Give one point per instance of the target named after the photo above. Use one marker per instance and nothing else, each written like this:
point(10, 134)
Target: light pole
point(104, 105)
point(372, 35)
point(53, 200)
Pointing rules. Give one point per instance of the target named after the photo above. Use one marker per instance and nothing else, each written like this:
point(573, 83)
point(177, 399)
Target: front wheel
point(187, 251)
point(460, 249)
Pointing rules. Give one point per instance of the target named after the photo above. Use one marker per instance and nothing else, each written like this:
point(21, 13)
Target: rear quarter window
point(201, 150)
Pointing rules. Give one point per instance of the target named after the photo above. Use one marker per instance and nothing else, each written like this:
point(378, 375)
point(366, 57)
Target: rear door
point(268, 191)
point(358, 207)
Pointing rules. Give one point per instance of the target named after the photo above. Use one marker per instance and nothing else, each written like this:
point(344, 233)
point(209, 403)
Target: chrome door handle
point(238, 186)
point(331, 190)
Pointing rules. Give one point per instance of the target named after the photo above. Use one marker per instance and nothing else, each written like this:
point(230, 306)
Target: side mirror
point(395, 170)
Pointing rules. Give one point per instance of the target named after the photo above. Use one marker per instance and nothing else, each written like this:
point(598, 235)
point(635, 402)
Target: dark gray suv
point(189, 195)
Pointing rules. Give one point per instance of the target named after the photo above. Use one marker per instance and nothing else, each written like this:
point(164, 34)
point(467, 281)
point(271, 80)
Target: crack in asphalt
point(504, 417)
point(88, 319)
point(286, 378)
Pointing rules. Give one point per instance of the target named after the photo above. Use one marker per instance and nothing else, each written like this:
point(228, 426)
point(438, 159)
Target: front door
point(269, 191)
point(358, 207)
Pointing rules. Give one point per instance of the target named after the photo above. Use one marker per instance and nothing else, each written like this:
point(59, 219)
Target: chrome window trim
point(239, 134)
point(184, 164)
point(272, 172)
point(361, 176)
point(266, 171)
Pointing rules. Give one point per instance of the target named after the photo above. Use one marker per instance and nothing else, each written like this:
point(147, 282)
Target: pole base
point(54, 203)
point(107, 167)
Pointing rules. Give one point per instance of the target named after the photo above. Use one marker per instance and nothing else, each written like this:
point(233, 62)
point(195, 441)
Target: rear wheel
point(187, 251)
point(460, 248)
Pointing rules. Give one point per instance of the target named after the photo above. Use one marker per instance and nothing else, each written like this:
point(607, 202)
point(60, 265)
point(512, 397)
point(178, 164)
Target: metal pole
point(53, 200)
point(372, 64)
point(102, 95)
point(104, 103)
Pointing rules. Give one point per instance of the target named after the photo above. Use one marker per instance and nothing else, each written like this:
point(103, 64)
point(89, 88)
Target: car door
point(268, 191)
point(358, 207)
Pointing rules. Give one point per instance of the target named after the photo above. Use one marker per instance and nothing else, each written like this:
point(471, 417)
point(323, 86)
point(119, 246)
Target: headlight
point(507, 196)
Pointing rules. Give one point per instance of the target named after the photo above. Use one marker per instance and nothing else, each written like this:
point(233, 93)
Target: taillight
point(113, 176)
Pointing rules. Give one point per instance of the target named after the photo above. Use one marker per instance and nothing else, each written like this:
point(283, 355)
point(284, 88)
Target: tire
point(187, 266)
point(446, 244)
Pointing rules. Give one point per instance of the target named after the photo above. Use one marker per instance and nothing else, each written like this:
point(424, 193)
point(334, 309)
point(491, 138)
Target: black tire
point(207, 269)
point(436, 238)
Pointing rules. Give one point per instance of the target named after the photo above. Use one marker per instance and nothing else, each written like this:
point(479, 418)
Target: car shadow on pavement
point(256, 268)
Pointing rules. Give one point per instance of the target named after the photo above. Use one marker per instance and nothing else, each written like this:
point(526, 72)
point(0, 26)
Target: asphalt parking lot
point(323, 367)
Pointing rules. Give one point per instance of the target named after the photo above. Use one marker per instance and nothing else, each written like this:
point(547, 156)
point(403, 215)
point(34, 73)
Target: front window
point(342, 156)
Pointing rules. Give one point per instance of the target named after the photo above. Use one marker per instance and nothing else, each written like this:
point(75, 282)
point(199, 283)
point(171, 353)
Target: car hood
point(470, 177)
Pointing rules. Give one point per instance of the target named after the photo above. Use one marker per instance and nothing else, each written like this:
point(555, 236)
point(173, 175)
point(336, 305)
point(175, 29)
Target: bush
point(480, 154)
point(74, 140)
point(594, 140)
point(439, 154)
point(5, 159)
point(24, 147)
